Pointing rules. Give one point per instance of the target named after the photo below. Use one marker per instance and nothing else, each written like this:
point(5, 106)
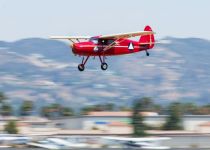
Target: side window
point(106, 42)
point(94, 40)
point(109, 42)
point(103, 42)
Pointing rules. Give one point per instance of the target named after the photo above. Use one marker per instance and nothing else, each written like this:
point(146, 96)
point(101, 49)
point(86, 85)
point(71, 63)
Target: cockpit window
point(106, 41)
point(110, 41)
point(94, 40)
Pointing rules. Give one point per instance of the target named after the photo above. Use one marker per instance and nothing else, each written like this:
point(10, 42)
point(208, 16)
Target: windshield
point(94, 40)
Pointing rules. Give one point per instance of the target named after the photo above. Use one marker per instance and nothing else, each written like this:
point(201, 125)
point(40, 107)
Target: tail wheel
point(104, 66)
point(147, 53)
point(81, 67)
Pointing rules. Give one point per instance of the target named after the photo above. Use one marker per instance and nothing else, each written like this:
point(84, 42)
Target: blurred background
point(45, 102)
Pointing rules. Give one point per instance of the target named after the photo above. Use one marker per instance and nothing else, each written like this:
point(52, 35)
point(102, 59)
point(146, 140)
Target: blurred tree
point(99, 107)
point(137, 118)
point(6, 109)
point(26, 108)
point(11, 127)
point(56, 110)
point(174, 120)
point(86, 110)
point(2, 97)
point(51, 111)
point(125, 108)
point(189, 108)
point(45, 112)
point(147, 103)
point(109, 107)
point(203, 110)
point(66, 111)
point(158, 108)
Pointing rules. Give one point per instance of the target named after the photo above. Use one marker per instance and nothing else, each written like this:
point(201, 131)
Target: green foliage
point(2, 97)
point(189, 108)
point(203, 110)
point(11, 127)
point(95, 128)
point(137, 119)
point(56, 110)
point(6, 109)
point(125, 108)
point(99, 107)
point(148, 105)
point(174, 120)
point(26, 108)
point(66, 111)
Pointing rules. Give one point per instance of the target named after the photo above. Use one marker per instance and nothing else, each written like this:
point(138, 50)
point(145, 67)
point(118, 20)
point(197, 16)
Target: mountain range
point(45, 71)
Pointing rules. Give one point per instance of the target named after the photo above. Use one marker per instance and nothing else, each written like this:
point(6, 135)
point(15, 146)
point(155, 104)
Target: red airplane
point(110, 45)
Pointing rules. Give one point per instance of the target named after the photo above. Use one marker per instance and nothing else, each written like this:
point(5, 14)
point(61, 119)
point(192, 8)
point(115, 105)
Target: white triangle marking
point(131, 47)
point(95, 49)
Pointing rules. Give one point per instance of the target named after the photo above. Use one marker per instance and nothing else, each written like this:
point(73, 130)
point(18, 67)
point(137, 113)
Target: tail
point(148, 40)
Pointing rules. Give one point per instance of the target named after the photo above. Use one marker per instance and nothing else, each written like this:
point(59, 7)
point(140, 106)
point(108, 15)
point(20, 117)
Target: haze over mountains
point(45, 71)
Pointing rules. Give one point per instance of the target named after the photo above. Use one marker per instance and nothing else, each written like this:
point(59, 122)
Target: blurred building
point(33, 125)
point(101, 123)
point(120, 122)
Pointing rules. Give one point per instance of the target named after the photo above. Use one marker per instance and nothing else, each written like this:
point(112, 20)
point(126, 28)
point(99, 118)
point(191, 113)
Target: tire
point(147, 53)
point(104, 66)
point(81, 67)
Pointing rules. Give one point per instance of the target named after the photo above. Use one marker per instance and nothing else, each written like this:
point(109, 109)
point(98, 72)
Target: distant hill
point(46, 71)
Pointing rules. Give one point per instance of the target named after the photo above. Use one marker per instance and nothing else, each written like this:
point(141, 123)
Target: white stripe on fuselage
point(106, 46)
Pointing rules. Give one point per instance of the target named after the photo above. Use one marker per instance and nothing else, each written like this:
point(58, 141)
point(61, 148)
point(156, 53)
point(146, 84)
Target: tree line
point(175, 111)
point(28, 107)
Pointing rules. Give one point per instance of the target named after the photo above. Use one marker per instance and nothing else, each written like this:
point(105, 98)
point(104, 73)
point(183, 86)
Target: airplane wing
point(70, 37)
point(67, 143)
point(144, 143)
point(137, 139)
point(126, 35)
point(46, 146)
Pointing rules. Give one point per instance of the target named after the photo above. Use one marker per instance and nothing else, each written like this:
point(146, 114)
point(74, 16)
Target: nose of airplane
point(74, 48)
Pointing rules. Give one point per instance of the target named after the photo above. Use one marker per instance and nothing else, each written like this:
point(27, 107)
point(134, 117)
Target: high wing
point(67, 143)
point(126, 35)
point(137, 139)
point(46, 146)
point(71, 37)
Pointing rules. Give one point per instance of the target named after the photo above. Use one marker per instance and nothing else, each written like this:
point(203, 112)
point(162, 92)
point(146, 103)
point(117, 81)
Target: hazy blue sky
point(41, 18)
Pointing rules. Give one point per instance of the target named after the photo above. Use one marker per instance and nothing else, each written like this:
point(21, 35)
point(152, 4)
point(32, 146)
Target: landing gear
point(81, 67)
point(147, 53)
point(104, 65)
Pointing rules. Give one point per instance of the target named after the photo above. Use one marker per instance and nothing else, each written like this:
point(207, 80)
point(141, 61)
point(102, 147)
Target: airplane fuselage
point(91, 49)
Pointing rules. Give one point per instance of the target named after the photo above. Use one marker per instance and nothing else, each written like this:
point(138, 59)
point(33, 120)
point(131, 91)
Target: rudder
point(148, 39)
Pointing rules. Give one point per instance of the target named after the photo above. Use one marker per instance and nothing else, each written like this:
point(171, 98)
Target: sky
point(42, 18)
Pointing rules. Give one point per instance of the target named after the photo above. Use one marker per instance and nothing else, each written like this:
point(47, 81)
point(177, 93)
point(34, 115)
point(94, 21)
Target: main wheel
point(147, 53)
point(81, 67)
point(104, 66)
